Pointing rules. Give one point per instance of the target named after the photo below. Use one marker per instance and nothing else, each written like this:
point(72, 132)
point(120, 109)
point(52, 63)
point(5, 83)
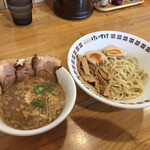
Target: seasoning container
point(132, 0)
point(73, 9)
point(21, 11)
point(102, 3)
point(116, 2)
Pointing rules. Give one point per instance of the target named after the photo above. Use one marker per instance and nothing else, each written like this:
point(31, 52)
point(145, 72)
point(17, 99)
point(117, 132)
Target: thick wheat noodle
point(128, 78)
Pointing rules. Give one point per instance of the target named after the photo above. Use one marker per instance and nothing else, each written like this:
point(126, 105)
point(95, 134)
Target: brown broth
point(21, 108)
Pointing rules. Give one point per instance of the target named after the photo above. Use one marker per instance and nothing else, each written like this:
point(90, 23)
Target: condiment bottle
point(21, 11)
point(116, 2)
point(102, 3)
point(73, 9)
point(132, 0)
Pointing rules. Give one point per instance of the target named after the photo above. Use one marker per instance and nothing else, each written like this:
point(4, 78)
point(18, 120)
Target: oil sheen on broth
point(32, 103)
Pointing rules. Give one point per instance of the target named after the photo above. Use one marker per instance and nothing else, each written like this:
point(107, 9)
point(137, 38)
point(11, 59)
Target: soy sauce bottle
point(21, 11)
point(116, 2)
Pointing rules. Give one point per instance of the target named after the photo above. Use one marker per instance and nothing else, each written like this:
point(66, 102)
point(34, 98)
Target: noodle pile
point(128, 78)
point(110, 73)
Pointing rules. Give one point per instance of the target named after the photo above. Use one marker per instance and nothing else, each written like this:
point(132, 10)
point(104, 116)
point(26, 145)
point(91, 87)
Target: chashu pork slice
point(24, 69)
point(45, 66)
point(7, 73)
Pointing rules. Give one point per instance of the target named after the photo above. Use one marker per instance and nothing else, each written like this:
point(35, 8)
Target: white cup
point(102, 3)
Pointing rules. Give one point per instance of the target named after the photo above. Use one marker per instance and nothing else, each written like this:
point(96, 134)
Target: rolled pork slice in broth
point(24, 68)
point(45, 66)
point(7, 73)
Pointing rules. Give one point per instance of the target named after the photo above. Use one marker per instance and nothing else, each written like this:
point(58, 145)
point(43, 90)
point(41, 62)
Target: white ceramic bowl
point(133, 45)
point(70, 89)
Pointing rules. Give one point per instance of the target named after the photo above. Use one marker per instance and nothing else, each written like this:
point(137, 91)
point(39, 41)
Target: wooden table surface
point(91, 125)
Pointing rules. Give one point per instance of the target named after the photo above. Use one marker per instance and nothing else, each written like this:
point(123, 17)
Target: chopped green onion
point(32, 91)
point(42, 106)
point(43, 88)
point(43, 84)
point(52, 83)
point(36, 91)
point(50, 89)
point(34, 103)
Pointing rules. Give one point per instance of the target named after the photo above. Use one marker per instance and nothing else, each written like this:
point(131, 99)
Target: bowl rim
point(101, 98)
point(53, 124)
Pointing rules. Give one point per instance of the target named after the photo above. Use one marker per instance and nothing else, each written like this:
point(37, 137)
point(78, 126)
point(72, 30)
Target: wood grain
point(91, 125)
